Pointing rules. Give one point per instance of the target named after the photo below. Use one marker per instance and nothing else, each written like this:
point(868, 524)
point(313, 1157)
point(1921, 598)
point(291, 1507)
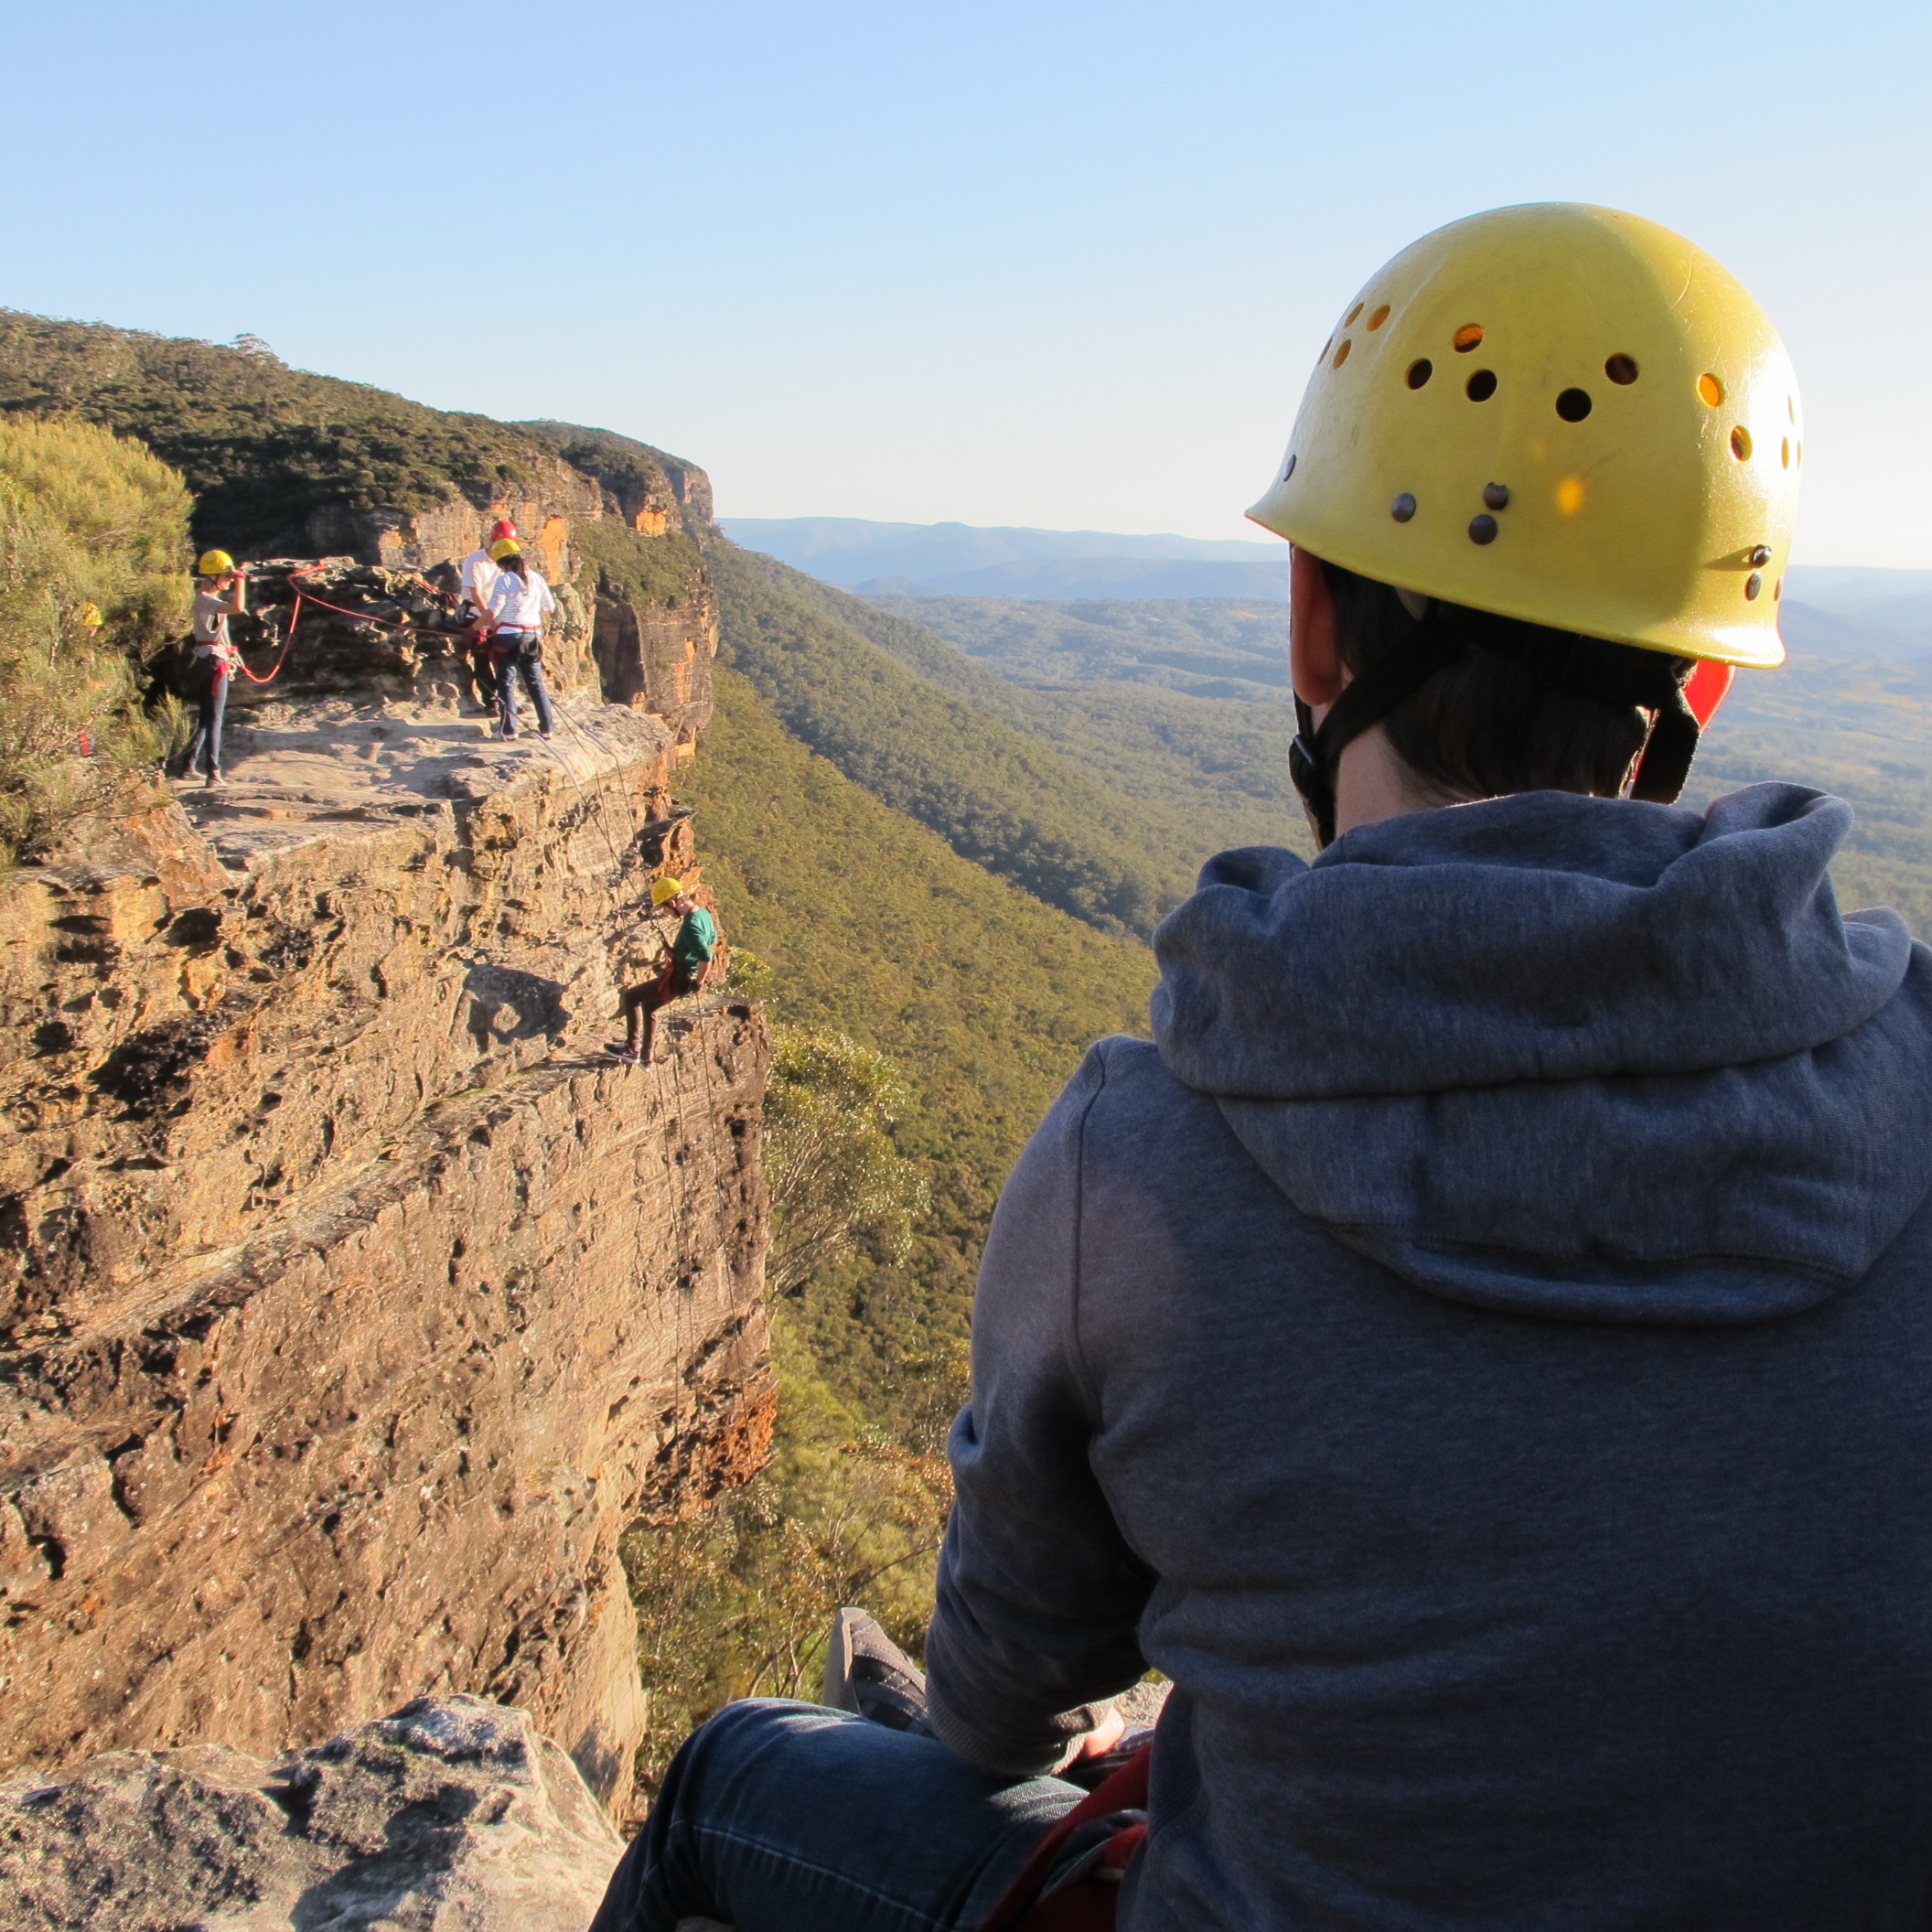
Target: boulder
point(453, 1814)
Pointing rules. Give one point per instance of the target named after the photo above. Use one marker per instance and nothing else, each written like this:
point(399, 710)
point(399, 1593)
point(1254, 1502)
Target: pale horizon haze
point(1059, 265)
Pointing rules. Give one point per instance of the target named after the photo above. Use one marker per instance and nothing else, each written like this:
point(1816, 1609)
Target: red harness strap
point(1086, 1904)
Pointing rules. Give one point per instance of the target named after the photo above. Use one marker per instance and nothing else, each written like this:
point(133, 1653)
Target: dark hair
point(1497, 720)
point(513, 561)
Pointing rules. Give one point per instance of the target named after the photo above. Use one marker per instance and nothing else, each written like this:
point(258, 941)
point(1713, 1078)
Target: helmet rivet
point(1403, 507)
point(1483, 530)
point(1762, 554)
point(1497, 494)
point(1753, 584)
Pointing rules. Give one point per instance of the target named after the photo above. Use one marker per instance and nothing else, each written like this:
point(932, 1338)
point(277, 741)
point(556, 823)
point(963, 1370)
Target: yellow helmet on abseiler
point(214, 564)
point(1564, 415)
point(662, 891)
point(505, 547)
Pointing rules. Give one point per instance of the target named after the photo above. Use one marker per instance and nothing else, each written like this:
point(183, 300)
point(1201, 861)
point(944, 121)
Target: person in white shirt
point(519, 602)
point(476, 574)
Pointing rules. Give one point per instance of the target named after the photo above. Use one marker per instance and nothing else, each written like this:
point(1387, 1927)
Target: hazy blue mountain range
point(1827, 607)
point(963, 560)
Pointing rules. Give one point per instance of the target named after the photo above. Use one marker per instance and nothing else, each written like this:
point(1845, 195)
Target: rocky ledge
point(453, 1814)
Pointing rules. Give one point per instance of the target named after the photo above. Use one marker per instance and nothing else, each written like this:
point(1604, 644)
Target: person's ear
point(1314, 654)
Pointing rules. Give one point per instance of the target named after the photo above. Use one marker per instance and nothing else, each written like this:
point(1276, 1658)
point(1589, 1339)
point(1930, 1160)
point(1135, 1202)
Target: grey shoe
point(867, 1673)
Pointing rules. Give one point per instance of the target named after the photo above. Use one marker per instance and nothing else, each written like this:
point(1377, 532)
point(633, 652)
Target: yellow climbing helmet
point(663, 891)
point(505, 547)
point(1560, 414)
point(215, 564)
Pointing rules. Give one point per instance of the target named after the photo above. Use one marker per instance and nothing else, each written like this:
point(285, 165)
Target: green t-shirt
point(697, 940)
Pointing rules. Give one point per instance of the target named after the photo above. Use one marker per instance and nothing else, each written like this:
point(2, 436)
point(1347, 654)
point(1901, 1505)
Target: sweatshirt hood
point(1586, 1059)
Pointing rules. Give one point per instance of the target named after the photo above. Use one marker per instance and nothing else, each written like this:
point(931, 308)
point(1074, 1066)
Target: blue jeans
point(207, 740)
point(508, 664)
point(780, 1816)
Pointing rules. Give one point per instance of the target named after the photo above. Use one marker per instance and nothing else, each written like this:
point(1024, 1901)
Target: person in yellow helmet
point(1479, 1351)
point(678, 970)
point(220, 593)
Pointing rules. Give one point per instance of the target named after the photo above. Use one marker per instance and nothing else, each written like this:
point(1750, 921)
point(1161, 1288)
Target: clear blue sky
point(1054, 263)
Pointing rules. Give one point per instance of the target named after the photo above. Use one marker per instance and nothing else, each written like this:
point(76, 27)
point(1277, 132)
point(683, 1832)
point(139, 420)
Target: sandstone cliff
point(351, 1307)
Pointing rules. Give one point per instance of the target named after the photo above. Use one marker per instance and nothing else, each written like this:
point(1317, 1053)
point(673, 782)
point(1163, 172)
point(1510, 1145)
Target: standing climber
point(517, 601)
point(685, 966)
point(476, 575)
point(220, 593)
point(1480, 1349)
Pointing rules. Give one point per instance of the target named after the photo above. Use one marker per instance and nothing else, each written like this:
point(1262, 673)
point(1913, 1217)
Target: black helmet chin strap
point(1647, 680)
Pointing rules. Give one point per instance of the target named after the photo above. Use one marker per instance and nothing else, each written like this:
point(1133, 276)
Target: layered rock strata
point(351, 1305)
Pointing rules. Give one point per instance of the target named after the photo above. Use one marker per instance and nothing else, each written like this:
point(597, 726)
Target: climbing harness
point(1088, 1900)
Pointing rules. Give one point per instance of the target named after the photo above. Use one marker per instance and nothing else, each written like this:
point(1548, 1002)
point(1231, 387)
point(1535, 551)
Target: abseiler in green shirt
point(696, 941)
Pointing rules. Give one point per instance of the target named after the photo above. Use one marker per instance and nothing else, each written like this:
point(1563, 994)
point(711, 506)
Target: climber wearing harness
point(682, 971)
point(518, 601)
point(220, 593)
point(476, 575)
point(1480, 1349)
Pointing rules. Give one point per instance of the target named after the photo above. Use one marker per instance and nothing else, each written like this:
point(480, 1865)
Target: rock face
point(542, 507)
point(453, 1813)
point(656, 657)
point(349, 1306)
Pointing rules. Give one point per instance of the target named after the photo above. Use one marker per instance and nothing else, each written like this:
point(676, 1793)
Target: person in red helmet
point(477, 576)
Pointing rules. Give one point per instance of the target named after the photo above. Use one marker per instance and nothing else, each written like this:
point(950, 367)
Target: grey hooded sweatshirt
point(1481, 1353)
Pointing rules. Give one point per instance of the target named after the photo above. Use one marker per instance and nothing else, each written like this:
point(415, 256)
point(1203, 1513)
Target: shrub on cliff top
point(90, 526)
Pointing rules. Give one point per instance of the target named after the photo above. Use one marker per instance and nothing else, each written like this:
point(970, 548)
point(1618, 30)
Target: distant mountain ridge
point(1867, 609)
point(970, 560)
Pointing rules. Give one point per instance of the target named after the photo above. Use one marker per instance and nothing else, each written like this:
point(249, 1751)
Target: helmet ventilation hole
point(1348, 320)
point(1288, 471)
point(1792, 412)
point(1753, 584)
point(1784, 453)
point(1483, 530)
point(1468, 337)
point(1420, 371)
point(1341, 355)
point(1380, 316)
point(1741, 443)
point(1777, 591)
point(1403, 507)
point(1481, 386)
point(1711, 389)
point(1621, 370)
point(1574, 404)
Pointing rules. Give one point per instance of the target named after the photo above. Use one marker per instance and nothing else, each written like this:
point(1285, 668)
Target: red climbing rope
point(294, 616)
point(288, 637)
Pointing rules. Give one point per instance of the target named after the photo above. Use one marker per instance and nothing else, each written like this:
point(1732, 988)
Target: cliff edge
point(352, 1304)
